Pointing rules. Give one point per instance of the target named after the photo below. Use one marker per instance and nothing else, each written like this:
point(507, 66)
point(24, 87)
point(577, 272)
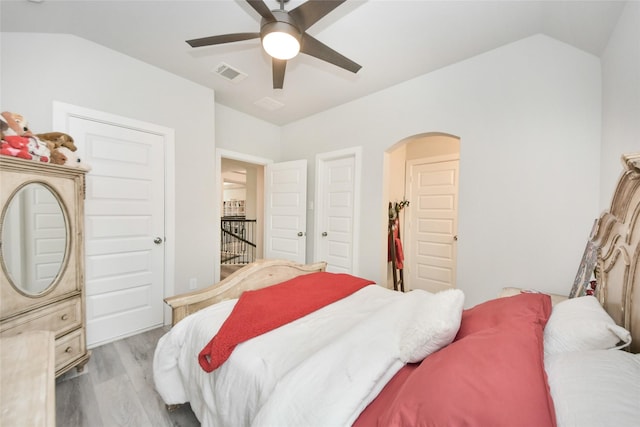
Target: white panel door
point(286, 210)
point(336, 213)
point(431, 234)
point(124, 228)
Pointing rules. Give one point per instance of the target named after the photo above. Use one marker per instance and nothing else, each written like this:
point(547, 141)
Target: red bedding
point(491, 375)
point(260, 311)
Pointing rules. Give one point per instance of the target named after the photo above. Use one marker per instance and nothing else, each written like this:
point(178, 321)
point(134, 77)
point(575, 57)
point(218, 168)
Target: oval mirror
point(34, 239)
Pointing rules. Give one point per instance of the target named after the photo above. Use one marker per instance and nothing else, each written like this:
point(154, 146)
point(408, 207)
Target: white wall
point(242, 133)
point(620, 98)
point(528, 115)
point(234, 194)
point(40, 68)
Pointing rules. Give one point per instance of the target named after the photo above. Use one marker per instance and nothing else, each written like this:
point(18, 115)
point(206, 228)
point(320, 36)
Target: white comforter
point(320, 370)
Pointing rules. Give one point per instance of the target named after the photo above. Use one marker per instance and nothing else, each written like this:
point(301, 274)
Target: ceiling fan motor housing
point(283, 23)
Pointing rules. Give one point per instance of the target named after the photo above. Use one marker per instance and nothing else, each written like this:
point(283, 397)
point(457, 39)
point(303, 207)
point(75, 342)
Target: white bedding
point(322, 369)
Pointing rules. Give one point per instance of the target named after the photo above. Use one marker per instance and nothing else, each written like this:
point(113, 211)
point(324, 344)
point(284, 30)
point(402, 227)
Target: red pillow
point(494, 312)
point(493, 375)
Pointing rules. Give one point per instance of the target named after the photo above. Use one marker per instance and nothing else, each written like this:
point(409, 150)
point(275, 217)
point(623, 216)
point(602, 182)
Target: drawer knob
point(68, 350)
point(65, 316)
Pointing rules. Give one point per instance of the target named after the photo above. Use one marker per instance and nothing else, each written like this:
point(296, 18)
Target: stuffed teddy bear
point(17, 124)
point(57, 158)
point(56, 140)
point(15, 146)
point(73, 160)
point(59, 139)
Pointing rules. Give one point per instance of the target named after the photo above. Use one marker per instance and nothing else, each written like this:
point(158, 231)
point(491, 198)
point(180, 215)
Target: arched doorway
point(423, 170)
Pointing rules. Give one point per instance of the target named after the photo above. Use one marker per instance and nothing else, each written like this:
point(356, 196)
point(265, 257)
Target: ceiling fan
point(283, 35)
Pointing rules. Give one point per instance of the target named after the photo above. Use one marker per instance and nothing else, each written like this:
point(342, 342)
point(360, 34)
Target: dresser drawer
point(59, 318)
point(69, 348)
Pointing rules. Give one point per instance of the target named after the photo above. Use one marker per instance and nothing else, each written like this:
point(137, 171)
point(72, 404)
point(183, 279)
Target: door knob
point(157, 240)
point(300, 234)
point(324, 234)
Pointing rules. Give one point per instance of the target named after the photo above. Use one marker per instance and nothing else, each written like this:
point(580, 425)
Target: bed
point(284, 344)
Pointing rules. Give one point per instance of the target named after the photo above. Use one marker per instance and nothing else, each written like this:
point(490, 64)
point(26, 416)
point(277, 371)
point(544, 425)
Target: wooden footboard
point(257, 275)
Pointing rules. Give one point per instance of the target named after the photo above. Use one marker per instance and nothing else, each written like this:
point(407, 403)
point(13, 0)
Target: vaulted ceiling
point(393, 40)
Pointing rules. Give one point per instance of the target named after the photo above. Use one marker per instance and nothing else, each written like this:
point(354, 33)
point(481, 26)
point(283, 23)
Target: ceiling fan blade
point(225, 38)
point(279, 66)
point(312, 11)
point(260, 7)
point(315, 48)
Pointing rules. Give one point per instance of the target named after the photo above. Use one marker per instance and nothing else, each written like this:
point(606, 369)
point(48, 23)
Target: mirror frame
point(67, 250)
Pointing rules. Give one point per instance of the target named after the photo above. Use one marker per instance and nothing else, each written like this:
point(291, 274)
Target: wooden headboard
point(618, 238)
point(257, 275)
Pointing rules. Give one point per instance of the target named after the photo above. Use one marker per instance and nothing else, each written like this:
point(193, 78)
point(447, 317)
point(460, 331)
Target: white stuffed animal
point(39, 150)
point(73, 160)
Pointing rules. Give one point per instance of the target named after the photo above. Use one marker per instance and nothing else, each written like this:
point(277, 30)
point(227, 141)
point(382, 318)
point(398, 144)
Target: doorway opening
point(275, 196)
point(241, 218)
point(421, 174)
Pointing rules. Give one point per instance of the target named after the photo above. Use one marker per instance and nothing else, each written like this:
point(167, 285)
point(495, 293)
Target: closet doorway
point(424, 171)
point(129, 220)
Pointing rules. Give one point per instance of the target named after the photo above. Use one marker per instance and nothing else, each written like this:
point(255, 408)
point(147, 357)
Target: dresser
point(42, 256)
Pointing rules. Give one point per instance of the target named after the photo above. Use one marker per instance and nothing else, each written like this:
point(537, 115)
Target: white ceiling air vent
point(269, 104)
point(228, 72)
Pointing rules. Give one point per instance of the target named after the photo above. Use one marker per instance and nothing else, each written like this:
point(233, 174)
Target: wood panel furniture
point(257, 275)
point(42, 256)
point(27, 380)
point(618, 240)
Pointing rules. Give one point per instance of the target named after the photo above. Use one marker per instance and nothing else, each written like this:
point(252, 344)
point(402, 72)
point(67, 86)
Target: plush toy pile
point(52, 147)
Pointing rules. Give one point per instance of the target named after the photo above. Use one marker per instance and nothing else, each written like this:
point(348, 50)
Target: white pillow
point(595, 388)
point(435, 328)
point(582, 324)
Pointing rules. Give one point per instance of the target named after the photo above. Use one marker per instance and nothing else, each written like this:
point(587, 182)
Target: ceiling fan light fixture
point(281, 40)
point(283, 34)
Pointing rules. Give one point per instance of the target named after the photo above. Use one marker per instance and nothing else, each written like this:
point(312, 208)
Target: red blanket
point(257, 312)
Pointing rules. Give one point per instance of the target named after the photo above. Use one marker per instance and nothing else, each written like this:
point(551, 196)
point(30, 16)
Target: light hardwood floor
point(117, 389)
